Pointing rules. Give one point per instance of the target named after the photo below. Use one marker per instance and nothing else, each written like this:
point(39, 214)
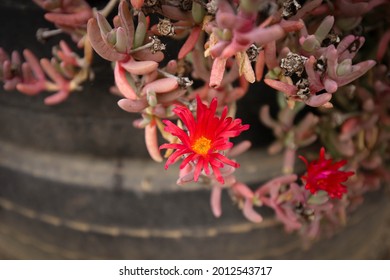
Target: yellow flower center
point(202, 145)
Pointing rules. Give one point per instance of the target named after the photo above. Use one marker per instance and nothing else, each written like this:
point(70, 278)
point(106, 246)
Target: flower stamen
point(201, 146)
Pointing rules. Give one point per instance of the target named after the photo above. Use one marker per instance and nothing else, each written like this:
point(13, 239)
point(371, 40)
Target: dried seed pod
point(165, 27)
point(293, 64)
point(253, 52)
point(290, 8)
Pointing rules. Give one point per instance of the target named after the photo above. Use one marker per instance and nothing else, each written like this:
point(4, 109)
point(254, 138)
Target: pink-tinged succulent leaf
point(3, 56)
point(291, 26)
point(100, 46)
point(32, 60)
point(148, 55)
point(266, 118)
point(313, 76)
point(331, 55)
point(200, 70)
point(116, 21)
point(57, 98)
point(350, 9)
point(46, 4)
point(132, 106)
point(330, 85)
point(259, 66)
point(358, 70)
point(54, 74)
point(150, 77)
point(287, 89)
point(383, 45)
point(275, 148)
point(163, 85)
point(235, 94)
point(201, 91)
point(217, 72)
point(16, 59)
point(215, 201)
point(103, 24)
point(122, 83)
point(170, 96)
point(74, 19)
point(11, 84)
point(373, 3)
point(139, 67)
point(121, 40)
point(66, 55)
point(319, 100)
point(234, 47)
point(348, 23)
point(185, 175)
point(152, 143)
point(29, 89)
point(30, 85)
point(171, 67)
point(239, 149)
point(307, 8)
point(310, 43)
point(218, 48)
point(175, 13)
point(263, 36)
point(324, 28)
point(270, 55)
point(229, 21)
point(250, 213)
point(27, 74)
point(190, 42)
point(225, 7)
point(302, 130)
point(140, 32)
point(343, 47)
point(349, 128)
point(272, 187)
point(137, 4)
point(126, 20)
point(7, 70)
point(242, 190)
point(344, 68)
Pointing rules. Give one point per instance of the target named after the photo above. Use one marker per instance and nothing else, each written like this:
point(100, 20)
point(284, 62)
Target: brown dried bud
point(253, 52)
point(186, 5)
point(150, 3)
point(293, 64)
point(331, 39)
point(165, 27)
point(303, 89)
point(185, 82)
point(320, 65)
point(290, 8)
point(212, 7)
point(156, 45)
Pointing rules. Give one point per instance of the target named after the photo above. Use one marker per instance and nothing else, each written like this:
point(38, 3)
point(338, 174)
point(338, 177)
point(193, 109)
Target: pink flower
point(324, 175)
point(207, 137)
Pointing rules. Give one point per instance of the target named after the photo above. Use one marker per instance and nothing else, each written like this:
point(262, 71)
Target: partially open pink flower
point(207, 137)
point(323, 174)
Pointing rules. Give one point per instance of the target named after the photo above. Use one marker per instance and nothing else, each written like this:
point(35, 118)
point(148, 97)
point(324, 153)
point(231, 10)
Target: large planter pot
point(76, 183)
point(81, 207)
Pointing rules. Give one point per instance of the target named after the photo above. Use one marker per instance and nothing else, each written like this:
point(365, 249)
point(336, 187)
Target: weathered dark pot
point(76, 183)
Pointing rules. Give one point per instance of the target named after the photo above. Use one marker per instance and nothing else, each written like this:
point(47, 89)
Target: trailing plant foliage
point(313, 53)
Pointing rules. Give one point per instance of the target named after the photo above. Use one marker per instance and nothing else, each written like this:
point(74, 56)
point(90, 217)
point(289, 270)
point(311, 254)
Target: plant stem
point(289, 160)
